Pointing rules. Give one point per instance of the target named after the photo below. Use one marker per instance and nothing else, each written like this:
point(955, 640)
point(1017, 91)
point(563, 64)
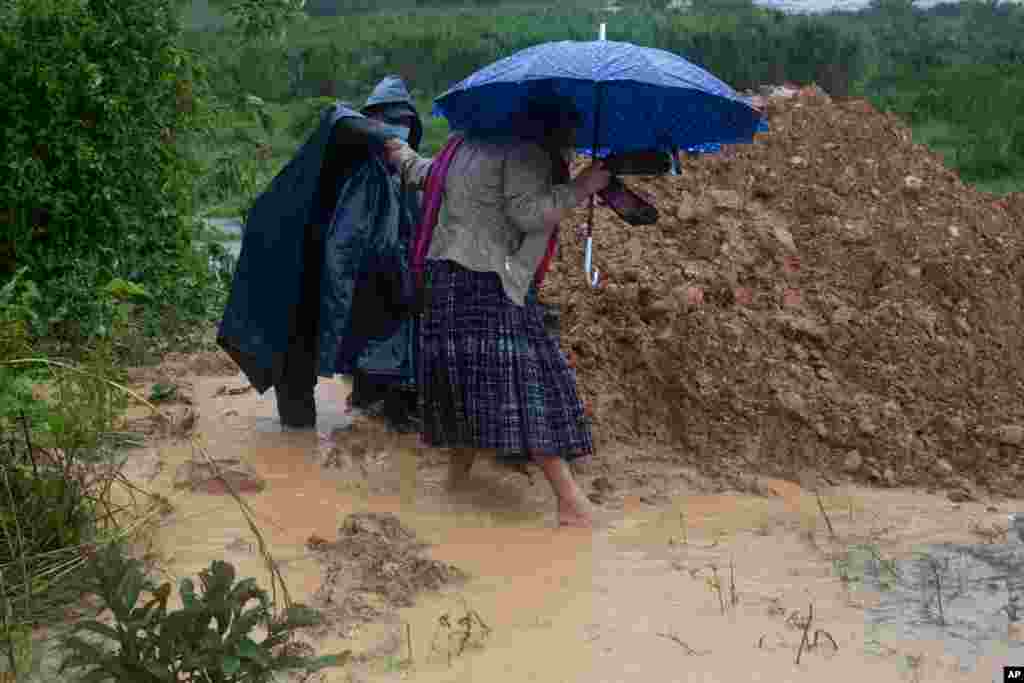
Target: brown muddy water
point(700, 587)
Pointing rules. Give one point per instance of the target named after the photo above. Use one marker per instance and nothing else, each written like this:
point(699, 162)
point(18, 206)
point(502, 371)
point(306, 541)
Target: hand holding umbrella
point(590, 181)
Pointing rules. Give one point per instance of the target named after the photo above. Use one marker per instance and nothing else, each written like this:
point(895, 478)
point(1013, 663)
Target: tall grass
point(59, 474)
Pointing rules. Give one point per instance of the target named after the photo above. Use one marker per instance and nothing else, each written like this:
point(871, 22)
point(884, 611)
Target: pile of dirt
point(375, 566)
point(831, 298)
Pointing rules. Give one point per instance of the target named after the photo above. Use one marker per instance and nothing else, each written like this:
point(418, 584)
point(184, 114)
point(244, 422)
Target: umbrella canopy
point(631, 98)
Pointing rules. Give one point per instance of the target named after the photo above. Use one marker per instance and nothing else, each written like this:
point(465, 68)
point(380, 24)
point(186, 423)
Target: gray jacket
point(492, 216)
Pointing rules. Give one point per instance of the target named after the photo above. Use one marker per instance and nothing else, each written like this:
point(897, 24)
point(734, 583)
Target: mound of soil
point(374, 567)
point(830, 298)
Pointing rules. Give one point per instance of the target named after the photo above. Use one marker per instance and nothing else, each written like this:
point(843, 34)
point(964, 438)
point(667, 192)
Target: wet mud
point(682, 581)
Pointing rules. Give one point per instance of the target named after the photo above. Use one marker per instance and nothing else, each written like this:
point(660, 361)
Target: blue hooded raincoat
point(334, 212)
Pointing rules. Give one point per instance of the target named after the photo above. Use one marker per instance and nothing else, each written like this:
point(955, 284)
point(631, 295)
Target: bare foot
point(573, 507)
point(574, 513)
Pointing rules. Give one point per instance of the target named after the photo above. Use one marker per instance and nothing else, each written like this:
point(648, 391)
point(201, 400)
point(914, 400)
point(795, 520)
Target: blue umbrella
point(715, 148)
point(631, 98)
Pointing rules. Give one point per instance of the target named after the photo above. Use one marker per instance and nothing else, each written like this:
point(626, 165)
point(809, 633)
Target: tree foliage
point(98, 102)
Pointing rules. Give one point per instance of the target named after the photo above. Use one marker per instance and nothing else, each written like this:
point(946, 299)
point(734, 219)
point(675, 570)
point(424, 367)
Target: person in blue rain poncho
point(322, 285)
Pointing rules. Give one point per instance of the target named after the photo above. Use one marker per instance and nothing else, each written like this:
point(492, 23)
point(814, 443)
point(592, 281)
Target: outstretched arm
point(412, 168)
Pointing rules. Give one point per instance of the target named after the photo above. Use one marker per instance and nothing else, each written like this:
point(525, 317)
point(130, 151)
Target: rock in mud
point(727, 199)
point(659, 309)
point(1011, 434)
point(960, 496)
point(200, 476)
point(890, 477)
point(913, 184)
point(803, 327)
point(853, 462)
point(184, 425)
point(145, 466)
point(603, 489)
point(225, 390)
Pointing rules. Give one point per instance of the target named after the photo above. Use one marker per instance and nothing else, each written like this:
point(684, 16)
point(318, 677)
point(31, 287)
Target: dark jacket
point(391, 99)
point(334, 212)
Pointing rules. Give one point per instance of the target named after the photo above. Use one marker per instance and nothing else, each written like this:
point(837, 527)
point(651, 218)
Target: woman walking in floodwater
point(490, 377)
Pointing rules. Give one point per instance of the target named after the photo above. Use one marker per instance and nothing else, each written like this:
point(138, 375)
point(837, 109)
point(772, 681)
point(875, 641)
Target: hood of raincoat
point(391, 98)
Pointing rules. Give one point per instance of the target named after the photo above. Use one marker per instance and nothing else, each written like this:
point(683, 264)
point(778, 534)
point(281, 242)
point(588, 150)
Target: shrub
point(209, 639)
point(98, 104)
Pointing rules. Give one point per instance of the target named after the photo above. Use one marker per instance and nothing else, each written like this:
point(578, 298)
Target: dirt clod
point(1011, 434)
point(201, 476)
point(375, 567)
point(853, 462)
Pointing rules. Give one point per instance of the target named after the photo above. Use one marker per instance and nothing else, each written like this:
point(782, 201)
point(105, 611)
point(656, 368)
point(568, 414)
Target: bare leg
point(459, 467)
point(573, 509)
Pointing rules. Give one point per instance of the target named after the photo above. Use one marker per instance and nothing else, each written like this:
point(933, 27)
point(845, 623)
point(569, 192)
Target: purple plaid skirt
point(490, 376)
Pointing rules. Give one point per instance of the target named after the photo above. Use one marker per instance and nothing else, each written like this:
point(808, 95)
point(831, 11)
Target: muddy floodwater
point(425, 585)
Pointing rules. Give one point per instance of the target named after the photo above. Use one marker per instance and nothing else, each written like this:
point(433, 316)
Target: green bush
point(209, 639)
point(99, 106)
point(971, 113)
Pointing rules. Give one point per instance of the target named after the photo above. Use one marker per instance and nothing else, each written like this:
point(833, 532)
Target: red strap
point(432, 196)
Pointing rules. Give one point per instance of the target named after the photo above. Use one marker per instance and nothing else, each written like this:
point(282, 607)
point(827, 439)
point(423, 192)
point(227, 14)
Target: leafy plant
point(163, 392)
point(209, 639)
point(99, 107)
point(260, 19)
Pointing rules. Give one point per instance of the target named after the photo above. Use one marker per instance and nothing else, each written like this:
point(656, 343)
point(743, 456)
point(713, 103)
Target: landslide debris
point(831, 297)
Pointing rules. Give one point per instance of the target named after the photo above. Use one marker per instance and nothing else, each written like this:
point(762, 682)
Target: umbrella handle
point(593, 274)
point(588, 258)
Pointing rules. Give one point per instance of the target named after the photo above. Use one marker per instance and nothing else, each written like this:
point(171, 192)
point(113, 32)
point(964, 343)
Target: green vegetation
point(58, 475)
point(99, 176)
point(208, 639)
point(971, 114)
point(906, 60)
